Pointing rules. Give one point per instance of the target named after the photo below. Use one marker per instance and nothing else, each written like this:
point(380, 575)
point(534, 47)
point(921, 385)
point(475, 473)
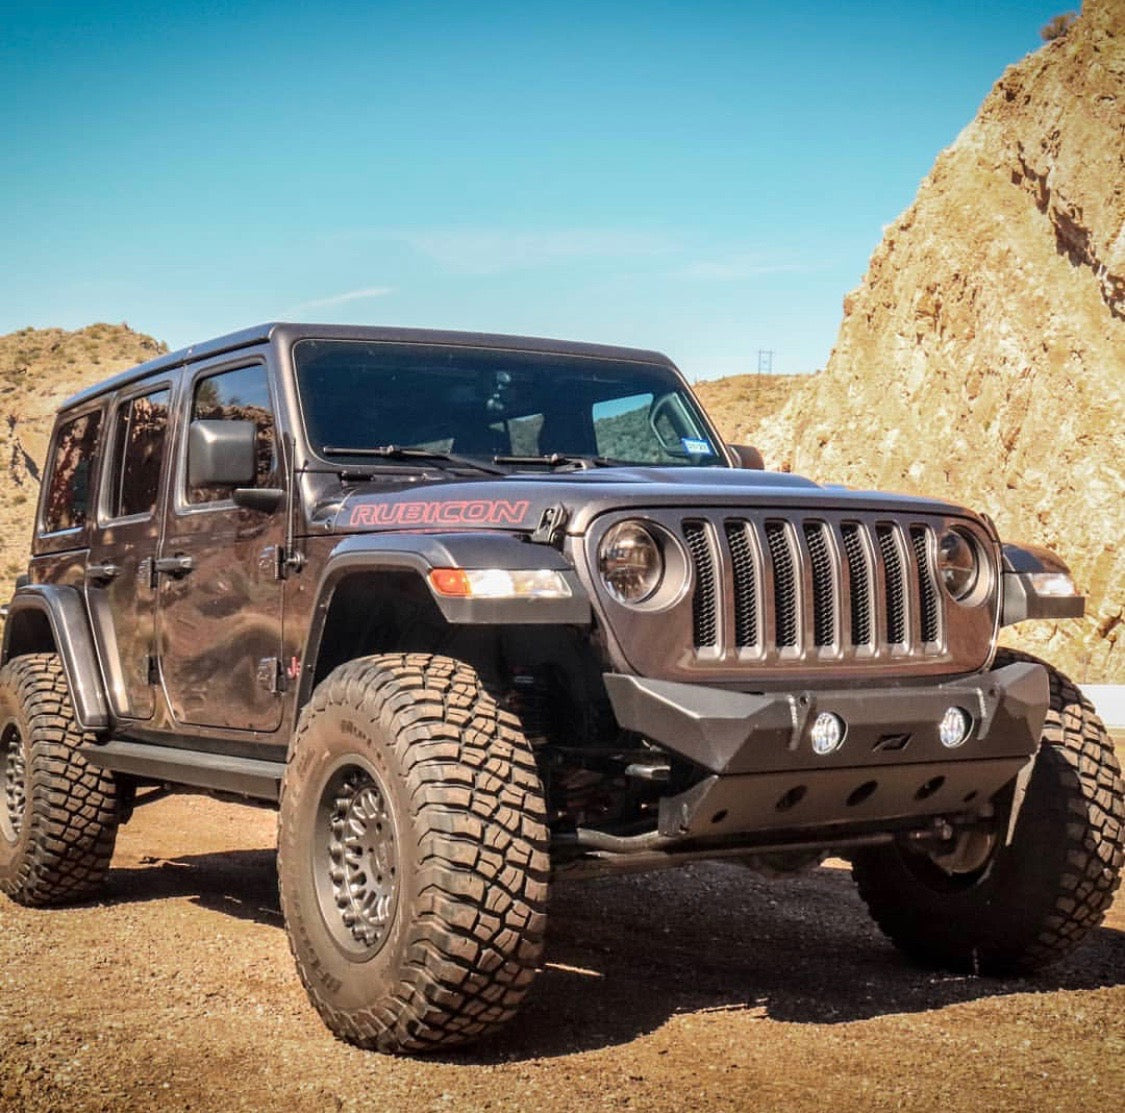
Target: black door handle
point(174, 565)
point(102, 572)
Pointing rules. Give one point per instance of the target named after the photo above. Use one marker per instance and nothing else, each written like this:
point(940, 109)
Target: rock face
point(982, 359)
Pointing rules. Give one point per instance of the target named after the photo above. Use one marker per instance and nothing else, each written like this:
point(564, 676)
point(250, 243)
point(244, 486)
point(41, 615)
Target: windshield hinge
point(552, 526)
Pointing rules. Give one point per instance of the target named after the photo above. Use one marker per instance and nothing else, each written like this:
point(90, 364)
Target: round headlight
point(958, 563)
point(630, 562)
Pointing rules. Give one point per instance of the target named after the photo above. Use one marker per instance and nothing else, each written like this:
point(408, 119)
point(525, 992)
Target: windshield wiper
point(397, 452)
point(561, 460)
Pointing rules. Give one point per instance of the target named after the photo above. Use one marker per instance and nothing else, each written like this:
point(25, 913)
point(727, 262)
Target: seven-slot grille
point(814, 589)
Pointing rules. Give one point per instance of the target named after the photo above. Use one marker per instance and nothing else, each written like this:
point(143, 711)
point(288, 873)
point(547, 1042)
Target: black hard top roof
point(287, 332)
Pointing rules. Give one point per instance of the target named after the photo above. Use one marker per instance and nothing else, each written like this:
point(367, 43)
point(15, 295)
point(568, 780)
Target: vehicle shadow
point(627, 954)
point(239, 883)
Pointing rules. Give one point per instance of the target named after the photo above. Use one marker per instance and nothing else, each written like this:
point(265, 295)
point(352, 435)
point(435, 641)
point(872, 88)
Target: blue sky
point(705, 178)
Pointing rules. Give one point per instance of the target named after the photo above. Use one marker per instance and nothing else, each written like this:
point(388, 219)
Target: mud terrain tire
point(1032, 902)
point(58, 816)
point(412, 855)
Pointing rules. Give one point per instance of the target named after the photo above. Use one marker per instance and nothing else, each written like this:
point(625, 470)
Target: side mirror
point(748, 457)
point(222, 453)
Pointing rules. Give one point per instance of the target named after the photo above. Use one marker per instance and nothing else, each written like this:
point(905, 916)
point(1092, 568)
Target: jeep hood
point(517, 502)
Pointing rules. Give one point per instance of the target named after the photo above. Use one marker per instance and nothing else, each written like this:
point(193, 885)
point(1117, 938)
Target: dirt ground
point(703, 988)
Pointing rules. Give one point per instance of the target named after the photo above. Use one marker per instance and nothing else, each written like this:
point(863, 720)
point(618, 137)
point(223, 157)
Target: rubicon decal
point(465, 512)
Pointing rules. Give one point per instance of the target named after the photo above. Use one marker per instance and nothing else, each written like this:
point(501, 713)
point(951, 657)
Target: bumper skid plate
point(764, 774)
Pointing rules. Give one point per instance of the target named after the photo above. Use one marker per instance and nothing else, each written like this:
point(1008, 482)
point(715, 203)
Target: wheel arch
point(51, 618)
point(374, 597)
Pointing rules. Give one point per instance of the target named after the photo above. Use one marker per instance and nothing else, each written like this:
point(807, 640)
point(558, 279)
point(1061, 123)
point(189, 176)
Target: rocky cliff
point(983, 356)
point(38, 369)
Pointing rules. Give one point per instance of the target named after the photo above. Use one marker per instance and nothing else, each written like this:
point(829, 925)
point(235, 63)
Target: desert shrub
point(1058, 26)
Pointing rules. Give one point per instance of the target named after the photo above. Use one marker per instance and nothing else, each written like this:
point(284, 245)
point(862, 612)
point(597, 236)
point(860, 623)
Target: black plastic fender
point(423, 552)
point(65, 612)
point(1021, 598)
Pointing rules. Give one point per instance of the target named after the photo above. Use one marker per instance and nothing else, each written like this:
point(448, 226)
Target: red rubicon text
point(473, 512)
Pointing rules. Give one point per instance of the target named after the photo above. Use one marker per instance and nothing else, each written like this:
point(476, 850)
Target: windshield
point(484, 403)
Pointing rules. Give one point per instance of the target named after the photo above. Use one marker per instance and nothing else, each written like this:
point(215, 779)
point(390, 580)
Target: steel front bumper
point(765, 775)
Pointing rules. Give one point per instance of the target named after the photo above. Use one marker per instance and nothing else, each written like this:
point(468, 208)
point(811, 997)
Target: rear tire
point(59, 815)
point(412, 855)
point(1023, 906)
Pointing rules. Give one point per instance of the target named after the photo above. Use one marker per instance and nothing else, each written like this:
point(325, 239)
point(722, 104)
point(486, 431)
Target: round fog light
point(954, 728)
point(827, 733)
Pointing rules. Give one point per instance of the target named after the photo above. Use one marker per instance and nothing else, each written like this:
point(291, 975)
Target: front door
point(120, 573)
point(220, 593)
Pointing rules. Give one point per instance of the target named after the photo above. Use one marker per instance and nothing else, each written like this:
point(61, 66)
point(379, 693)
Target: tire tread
point(480, 919)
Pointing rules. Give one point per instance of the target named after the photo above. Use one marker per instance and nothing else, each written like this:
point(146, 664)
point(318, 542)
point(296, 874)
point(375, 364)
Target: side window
point(645, 430)
point(68, 487)
point(622, 431)
point(240, 395)
point(141, 429)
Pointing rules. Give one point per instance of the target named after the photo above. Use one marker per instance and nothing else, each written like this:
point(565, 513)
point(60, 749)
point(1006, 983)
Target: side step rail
point(242, 776)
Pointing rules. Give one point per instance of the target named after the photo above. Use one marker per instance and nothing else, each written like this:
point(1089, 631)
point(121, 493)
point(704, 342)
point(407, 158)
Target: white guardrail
point(1109, 699)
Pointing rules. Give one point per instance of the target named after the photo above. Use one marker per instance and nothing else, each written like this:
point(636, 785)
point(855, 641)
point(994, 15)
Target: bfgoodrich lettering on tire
point(412, 854)
point(58, 815)
point(1012, 909)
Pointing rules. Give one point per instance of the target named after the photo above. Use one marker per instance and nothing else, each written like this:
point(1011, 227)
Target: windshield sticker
point(696, 447)
point(463, 512)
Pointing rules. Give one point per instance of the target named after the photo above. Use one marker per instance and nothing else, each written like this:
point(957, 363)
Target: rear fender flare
point(70, 636)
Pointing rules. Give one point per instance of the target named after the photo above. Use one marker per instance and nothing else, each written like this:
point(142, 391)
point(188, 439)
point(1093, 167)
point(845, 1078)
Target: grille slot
point(927, 590)
point(746, 624)
point(784, 584)
point(859, 584)
point(824, 598)
point(894, 585)
point(704, 614)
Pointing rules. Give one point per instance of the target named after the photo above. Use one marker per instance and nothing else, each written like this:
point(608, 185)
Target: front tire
point(412, 855)
point(59, 815)
point(1014, 909)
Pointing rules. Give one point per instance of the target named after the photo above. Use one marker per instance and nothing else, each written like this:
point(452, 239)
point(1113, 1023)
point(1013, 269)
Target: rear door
point(120, 574)
point(221, 598)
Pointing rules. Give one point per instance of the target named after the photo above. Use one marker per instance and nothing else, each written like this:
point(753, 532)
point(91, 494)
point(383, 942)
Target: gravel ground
point(703, 988)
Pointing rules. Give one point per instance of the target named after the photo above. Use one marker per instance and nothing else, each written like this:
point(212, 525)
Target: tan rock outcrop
point(39, 368)
point(982, 358)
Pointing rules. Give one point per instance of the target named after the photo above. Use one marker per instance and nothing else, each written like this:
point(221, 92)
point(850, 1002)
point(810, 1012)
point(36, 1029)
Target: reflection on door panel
point(220, 624)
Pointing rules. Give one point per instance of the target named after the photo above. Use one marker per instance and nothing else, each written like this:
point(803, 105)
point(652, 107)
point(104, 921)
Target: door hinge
point(271, 676)
point(276, 560)
point(288, 561)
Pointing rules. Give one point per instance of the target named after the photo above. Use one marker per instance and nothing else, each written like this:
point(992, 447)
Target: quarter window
point(142, 427)
point(240, 395)
point(68, 489)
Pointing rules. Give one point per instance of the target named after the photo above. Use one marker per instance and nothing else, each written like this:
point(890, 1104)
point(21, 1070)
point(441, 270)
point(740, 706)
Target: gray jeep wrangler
point(477, 613)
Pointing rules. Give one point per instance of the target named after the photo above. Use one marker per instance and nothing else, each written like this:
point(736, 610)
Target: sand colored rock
point(983, 356)
point(38, 369)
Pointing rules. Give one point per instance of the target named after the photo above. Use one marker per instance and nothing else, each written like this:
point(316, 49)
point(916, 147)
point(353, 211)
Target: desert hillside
point(983, 356)
point(38, 369)
point(741, 405)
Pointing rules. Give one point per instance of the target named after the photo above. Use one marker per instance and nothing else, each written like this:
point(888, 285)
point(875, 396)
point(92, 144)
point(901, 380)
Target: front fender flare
point(1022, 599)
point(65, 613)
point(422, 552)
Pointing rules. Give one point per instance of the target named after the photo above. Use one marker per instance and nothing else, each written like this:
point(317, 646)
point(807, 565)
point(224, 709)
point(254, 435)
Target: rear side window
point(142, 428)
point(68, 487)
